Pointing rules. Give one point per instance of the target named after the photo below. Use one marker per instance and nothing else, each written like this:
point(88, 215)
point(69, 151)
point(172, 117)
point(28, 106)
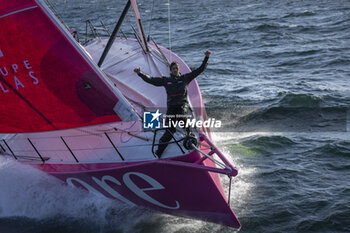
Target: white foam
point(28, 192)
point(243, 184)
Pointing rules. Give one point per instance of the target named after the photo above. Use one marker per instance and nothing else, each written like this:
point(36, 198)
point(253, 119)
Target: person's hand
point(137, 70)
point(207, 53)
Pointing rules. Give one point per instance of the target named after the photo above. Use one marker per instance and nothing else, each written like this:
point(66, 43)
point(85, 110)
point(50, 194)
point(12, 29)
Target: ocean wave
point(341, 23)
point(284, 30)
point(300, 100)
point(339, 61)
point(334, 222)
point(333, 149)
point(291, 112)
point(300, 14)
point(282, 119)
point(267, 27)
point(268, 144)
point(307, 52)
point(294, 53)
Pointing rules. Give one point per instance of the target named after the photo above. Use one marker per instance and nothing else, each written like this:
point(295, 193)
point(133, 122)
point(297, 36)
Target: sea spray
point(28, 192)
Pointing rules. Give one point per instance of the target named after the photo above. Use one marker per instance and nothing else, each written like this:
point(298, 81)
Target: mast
point(139, 25)
point(118, 26)
point(114, 33)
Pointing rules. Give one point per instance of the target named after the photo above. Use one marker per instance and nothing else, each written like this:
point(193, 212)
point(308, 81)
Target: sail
point(47, 80)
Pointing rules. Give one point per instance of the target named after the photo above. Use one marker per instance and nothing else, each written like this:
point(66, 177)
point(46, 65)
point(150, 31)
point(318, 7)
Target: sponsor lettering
point(16, 75)
point(145, 193)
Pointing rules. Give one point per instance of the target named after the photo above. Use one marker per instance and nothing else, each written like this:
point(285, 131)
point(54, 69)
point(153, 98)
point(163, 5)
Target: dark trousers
point(174, 113)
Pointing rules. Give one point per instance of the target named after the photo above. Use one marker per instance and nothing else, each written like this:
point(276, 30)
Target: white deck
point(91, 144)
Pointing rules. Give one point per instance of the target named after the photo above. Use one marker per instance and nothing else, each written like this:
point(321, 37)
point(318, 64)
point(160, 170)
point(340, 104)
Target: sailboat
point(77, 113)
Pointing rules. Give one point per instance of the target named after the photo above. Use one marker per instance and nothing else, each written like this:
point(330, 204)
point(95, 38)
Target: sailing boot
point(161, 148)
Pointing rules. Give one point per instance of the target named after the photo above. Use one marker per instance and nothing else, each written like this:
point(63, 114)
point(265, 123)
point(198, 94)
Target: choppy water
point(278, 78)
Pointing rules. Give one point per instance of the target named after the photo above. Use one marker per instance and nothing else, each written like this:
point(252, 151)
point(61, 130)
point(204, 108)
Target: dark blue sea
point(278, 78)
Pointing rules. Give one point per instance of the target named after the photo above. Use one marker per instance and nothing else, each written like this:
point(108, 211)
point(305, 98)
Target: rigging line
point(169, 28)
point(150, 23)
point(107, 66)
point(154, 64)
point(161, 53)
point(121, 135)
point(217, 162)
point(54, 10)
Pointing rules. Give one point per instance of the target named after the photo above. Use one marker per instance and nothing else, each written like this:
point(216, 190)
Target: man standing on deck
point(176, 89)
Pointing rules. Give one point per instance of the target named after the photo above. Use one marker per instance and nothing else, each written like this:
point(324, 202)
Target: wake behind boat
point(78, 113)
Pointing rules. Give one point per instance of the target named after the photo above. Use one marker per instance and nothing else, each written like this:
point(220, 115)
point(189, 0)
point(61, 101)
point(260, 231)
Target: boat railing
point(191, 143)
point(92, 32)
point(224, 163)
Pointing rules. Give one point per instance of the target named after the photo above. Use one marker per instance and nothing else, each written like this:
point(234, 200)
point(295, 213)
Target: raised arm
point(151, 80)
point(192, 75)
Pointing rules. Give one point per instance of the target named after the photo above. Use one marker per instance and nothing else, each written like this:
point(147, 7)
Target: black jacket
point(175, 86)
